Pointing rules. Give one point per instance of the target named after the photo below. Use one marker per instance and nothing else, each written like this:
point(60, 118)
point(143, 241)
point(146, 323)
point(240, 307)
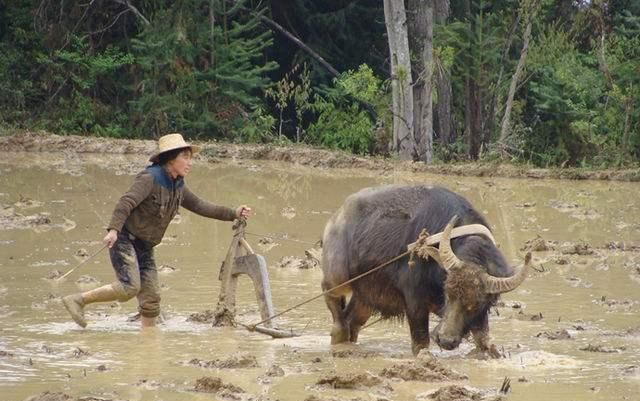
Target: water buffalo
point(459, 283)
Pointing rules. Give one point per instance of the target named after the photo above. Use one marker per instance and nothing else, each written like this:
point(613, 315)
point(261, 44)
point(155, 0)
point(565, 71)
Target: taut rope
point(423, 247)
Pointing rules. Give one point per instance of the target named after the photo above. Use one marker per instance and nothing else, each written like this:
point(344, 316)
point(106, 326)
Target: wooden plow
point(241, 259)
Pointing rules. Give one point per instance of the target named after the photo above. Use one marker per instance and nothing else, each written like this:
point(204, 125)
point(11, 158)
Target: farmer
point(139, 222)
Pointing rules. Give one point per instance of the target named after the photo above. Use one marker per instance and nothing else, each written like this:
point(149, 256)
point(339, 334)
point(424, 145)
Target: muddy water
point(570, 332)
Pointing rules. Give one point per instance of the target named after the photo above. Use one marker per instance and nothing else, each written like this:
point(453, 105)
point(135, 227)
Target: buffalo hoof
point(353, 337)
point(425, 356)
point(339, 335)
point(417, 347)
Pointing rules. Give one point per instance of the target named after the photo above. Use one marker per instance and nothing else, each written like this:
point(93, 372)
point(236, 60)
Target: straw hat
point(172, 142)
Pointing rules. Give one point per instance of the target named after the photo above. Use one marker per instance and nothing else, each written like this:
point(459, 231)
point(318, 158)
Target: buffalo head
point(469, 291)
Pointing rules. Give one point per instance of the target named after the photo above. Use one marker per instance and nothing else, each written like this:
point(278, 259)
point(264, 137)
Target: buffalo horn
point(499, 285)
point(448, 258)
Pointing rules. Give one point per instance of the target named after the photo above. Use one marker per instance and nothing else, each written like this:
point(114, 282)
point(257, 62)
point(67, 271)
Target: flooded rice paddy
point(570, 332)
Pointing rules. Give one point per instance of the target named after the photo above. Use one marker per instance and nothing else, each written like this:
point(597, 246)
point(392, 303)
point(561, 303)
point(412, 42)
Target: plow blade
point(255, 266)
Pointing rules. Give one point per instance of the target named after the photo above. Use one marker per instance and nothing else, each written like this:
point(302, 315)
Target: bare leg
point(146, 322)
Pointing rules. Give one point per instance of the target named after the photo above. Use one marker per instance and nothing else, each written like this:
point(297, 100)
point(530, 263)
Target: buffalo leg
point(419, 328)
point(481, 340)
point(335, 272)
point(357, 315)
point(336, 304)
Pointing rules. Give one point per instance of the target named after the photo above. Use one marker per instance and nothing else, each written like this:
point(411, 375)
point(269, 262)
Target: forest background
point(542, 82)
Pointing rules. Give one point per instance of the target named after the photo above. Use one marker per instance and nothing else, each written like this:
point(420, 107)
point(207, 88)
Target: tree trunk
point(475, 119)
point(506, 119)
point(441, 13)
point(402, 94)
point(421, 44)
point(473, 104)
point(467, 111)
point(492, 113)
point(602, 58)
point(212, 25)
point(602, 62)
point(628, 108)
point(443, 118)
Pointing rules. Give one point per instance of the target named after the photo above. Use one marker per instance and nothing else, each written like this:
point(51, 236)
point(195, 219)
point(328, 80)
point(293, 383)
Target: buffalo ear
point(499, 285)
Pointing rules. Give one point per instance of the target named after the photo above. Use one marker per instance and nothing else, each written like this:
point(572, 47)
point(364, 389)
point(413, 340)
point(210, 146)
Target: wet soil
point(207, 316)
point(353, 353)
point(360, 381)
point(233, 362)
point(53, 396)
point(458, 393)
point(297, 154)
point(422, 370)
point(47, 396)
point(215, 385)
point(573, 261)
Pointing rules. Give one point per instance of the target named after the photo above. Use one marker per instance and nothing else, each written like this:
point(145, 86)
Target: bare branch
point(58, 90)
point(88, 5)
point(110, 25)
point(301, 44)
point(530, 12)
point(133, 9)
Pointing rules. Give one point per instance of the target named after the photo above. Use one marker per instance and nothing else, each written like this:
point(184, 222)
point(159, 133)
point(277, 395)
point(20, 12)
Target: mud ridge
point(233, 362)
point(302, 155)
point(458, 393)
point(421, 370)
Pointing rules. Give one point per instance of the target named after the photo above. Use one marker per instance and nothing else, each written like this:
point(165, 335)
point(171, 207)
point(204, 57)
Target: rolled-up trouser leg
point(149, 295)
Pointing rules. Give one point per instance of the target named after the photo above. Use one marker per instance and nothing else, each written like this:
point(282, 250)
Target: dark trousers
point(135, 268)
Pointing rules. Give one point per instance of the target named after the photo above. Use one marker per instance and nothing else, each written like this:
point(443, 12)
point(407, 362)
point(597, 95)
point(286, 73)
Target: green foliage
point(291, 88)
point(446, 56)
point(624, 115)
point(472, 48)
point(341, 123)
point(98, 68)
point(19, 45)
point(450, 152)
point(79, 83)
point(14, 85)
point(196, 80)
point(259, 127)
point(119, 78)
point(301, 95)
point(346, 129)
point(577, 120)
point(362, 84)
